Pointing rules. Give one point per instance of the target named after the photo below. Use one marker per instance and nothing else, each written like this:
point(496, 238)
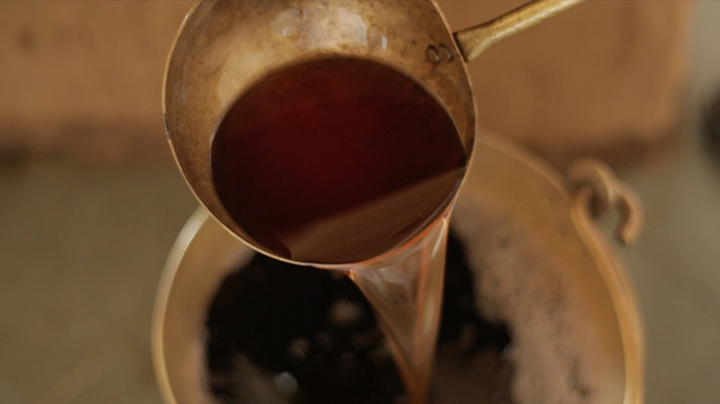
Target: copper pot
point(225, 47)
point(556, 212)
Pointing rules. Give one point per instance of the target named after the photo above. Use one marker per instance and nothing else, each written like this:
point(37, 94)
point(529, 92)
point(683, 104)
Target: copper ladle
point(224, 47)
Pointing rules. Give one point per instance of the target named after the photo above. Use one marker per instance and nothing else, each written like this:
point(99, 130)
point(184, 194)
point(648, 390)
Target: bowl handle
point(594, 190)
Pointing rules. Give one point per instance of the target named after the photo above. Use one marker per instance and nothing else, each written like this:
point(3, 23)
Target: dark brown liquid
point(335, 161)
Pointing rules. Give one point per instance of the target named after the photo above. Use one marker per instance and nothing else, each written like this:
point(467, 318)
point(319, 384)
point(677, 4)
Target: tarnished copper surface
point(224, 47)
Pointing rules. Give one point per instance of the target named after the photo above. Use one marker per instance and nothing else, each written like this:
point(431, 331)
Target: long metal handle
point(474, 41)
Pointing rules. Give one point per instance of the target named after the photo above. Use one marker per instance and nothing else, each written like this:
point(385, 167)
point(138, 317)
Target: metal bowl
point(555, 211)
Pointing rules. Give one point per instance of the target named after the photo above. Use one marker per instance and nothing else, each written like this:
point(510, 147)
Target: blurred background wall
point(84, 78)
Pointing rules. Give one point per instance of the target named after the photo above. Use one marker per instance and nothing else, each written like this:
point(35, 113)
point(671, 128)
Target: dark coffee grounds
point(284, 333)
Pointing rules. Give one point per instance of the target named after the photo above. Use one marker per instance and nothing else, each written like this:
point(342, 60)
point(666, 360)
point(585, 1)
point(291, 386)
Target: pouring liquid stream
point(341, 161)
point(406, 294)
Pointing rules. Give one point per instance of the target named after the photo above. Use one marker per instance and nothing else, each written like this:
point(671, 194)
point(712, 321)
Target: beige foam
point(517, 282)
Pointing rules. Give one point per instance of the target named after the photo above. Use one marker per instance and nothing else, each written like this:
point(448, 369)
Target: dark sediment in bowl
point(512, 329)
point(282, 333)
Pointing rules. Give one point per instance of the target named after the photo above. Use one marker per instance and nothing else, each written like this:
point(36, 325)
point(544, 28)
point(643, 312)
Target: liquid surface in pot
point(335, 160)
point(278, 333)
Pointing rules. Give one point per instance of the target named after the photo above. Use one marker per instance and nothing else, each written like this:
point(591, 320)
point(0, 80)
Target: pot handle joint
point(595, 190)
